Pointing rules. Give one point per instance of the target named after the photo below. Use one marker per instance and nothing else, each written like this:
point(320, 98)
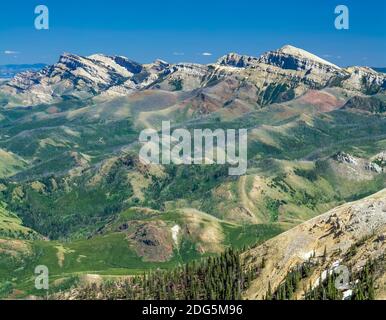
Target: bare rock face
point(183, 77)
point(96, 72)
point(373, 167)
point(345, 157)
point(87, 76)
point(365, 80)
point(237, 60)
point(360, 224)
point(380, 159)
point(289, 57)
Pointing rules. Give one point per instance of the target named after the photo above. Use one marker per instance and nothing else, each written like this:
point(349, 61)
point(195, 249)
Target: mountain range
point(75, 197)
point(287, 72)
point(8, 71)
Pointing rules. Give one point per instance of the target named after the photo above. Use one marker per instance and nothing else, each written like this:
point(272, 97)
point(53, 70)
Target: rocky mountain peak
point(297, 52)
point(70, 61)
point(161, 62)
point(236, 60)
point(157, 66)
point(290, 57)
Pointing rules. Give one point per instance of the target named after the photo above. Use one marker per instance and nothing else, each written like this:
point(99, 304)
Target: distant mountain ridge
point(287, 72)
point(383, 70)
point(8, 71)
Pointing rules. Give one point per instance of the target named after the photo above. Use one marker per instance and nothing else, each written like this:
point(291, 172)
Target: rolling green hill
point(11, 226)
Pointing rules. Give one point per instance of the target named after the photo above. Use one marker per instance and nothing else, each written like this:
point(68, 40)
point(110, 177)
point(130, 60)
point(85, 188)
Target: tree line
point(213, 278)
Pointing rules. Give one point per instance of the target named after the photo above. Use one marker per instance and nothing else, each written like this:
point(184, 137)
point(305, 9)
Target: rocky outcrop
point(354, 168)
point(345, 157)
point(328, 238)
point(237, 60)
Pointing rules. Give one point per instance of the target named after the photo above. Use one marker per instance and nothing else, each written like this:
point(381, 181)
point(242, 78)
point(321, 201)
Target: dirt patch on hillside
point(324, 101)
point(151, 240)
point(14, 247)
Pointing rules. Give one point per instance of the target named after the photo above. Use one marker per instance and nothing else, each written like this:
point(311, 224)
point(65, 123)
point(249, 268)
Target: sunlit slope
point(138, 239)
point(349, 235)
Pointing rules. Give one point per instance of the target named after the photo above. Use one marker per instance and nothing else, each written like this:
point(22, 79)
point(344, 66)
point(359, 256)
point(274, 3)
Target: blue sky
point(184, 30)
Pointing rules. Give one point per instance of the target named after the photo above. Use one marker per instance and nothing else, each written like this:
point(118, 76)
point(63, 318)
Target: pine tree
point(269, 293)
point(324, 257)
